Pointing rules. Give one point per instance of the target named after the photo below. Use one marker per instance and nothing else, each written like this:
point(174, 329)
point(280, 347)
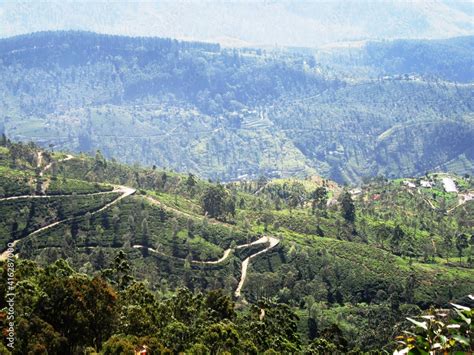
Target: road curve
point(124, 190)
point(68, 157)
point(226, 254)
point(462, 199)
point(272, 241)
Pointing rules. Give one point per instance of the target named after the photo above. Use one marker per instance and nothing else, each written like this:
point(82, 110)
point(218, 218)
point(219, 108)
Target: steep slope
point(226, 114)
point(395, 127)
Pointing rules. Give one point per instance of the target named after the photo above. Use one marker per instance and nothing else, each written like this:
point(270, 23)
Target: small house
point(426, 184)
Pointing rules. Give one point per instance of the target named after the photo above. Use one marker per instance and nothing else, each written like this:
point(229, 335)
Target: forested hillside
point(226, 113)
point(112, 258)
point(449, 59)
point(388, 127)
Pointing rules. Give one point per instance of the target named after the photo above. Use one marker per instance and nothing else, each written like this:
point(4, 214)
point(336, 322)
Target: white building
point(449, 185)
point(356, 191)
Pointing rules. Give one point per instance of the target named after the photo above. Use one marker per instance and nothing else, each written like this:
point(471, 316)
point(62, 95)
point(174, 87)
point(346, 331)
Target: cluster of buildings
point(448, 184)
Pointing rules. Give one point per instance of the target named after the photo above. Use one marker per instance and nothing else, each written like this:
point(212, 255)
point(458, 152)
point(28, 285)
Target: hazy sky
point(246, 22)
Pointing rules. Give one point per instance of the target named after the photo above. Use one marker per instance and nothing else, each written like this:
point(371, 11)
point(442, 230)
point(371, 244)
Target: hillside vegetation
point(227, 113)
point(301, 265)
point(442, 59)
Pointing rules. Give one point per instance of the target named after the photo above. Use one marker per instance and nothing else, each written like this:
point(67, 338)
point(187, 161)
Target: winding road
point(126, 191)
point(44, 186)
point(462, 199)
point(155, 251)
point(123, 190)
point(272, 242)
point(68, 157)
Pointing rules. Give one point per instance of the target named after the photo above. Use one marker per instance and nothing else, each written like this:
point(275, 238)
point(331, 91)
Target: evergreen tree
point(348, 207)
point(214, 201)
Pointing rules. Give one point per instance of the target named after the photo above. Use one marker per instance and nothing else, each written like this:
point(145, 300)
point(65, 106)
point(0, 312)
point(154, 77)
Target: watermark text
point(10, 297)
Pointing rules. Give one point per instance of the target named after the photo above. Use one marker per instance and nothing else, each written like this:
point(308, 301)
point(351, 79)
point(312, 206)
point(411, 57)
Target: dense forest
point(112, 258)
point(226, 113)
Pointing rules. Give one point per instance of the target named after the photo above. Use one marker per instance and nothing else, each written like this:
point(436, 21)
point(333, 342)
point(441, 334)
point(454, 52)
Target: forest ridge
point(233, 113)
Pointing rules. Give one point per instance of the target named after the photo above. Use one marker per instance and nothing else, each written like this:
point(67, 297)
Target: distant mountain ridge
point(448, 59)
point(249, 23)
point(230, 114)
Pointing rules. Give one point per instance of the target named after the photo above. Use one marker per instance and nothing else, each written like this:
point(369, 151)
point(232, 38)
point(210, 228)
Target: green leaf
point(418, 324)
point(463, 317)
point(461, 339)
point(462, 308)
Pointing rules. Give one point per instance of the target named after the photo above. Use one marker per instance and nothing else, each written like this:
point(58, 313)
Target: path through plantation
point(126, 191)
point(123, 190)
point(68, 157)
point(272, 241)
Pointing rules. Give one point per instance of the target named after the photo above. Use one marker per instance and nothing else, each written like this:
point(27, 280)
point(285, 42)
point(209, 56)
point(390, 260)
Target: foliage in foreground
point(440, 331)
point(60, 311)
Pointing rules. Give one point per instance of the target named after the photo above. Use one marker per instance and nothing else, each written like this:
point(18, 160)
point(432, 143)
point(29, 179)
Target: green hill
point(226, 113)
point(303, 250)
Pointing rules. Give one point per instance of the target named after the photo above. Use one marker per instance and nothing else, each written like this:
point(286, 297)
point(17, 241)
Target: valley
point(161, 195)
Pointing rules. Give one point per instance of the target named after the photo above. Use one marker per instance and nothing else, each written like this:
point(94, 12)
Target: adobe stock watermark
point(10, 297)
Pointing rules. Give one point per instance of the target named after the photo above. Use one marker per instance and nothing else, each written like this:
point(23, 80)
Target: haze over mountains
point(351, 90)
point(236, 177)
point(226, 113)
point(244, 23)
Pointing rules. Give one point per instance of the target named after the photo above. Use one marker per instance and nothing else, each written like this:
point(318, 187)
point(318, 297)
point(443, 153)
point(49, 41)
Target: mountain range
point(239, 113)
point(227, 177)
